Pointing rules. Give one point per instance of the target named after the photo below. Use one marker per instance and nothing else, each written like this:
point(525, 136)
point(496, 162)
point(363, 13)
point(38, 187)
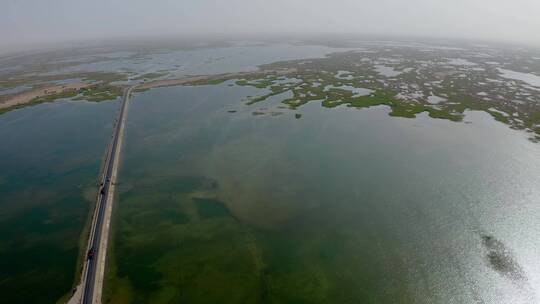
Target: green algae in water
point(210, 208)
point(202, 256)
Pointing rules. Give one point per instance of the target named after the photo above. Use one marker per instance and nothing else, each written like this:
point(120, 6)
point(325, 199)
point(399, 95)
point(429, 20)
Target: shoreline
point(50, 93)
point(27, 97)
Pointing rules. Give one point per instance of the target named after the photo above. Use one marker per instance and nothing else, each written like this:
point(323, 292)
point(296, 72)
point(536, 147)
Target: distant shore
point(26, 97)
point(210, 79)
point(50, 93)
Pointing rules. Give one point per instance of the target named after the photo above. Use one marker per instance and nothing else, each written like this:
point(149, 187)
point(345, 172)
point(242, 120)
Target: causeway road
point(90, 288)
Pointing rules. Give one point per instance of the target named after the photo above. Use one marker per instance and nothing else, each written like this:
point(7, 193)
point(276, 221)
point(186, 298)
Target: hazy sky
point(29, 21)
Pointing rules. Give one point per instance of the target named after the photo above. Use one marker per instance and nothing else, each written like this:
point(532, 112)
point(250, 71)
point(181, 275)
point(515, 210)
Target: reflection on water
point(338, 206)
point(528, 78)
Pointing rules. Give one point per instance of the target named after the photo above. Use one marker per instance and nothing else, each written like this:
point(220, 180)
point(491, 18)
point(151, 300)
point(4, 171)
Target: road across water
point(90, 288)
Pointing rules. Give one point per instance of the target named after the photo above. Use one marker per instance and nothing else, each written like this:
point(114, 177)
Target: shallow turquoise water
point(340, 206)
point(50, 158)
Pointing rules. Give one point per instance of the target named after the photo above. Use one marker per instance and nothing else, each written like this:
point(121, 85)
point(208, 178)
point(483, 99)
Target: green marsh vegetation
point(332, 80)
point(94, 93)
point(99, 93)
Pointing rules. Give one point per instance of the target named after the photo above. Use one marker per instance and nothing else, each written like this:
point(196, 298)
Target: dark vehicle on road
point(91, 253)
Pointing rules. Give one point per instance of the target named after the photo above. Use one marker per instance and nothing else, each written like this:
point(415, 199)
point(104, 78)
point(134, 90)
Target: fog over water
point(25, 23)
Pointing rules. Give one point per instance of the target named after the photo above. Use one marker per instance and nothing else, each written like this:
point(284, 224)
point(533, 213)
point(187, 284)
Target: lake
point(223, 202)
